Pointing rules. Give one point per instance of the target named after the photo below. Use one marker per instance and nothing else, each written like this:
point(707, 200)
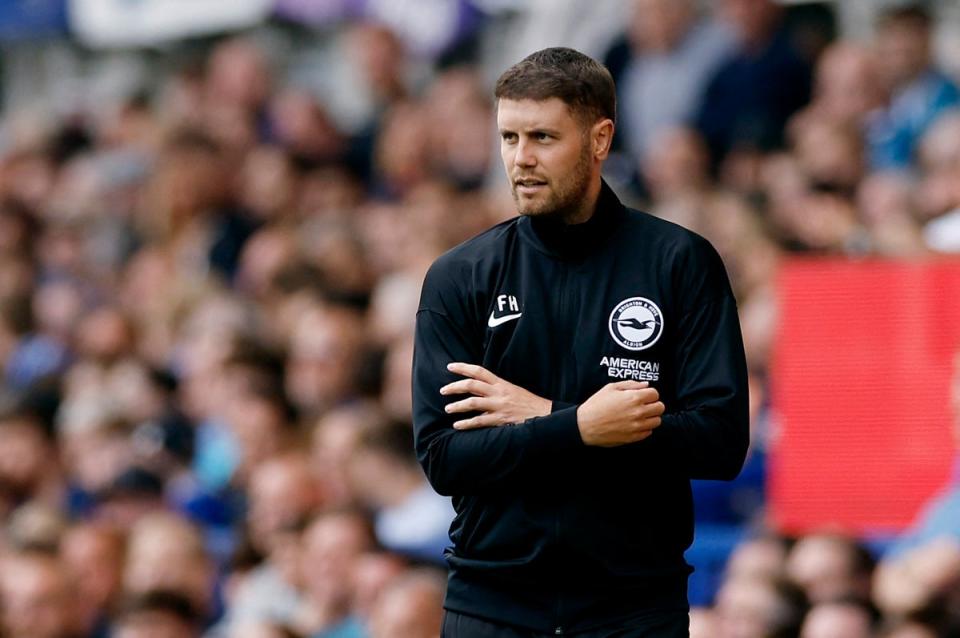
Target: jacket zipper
point(565, 345)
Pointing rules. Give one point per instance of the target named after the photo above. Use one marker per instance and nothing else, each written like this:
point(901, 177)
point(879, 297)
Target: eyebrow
point(531, 131)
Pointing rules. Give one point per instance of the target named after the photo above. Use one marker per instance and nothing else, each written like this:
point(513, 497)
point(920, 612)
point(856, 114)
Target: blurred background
point(214, 221)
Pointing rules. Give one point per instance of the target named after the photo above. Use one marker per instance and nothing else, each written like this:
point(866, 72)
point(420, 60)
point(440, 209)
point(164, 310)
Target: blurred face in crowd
point(703, 623)
point(750, 608)
point(402, 154)
point(836, 620)
point(411, 607)
point(847, 82)
point(259, 427)
point(303, 126)
point(902, 50)
point(24, 454)
point(323, 352)
point(166, 552)
point(830, 154)
point(659, 25)
point(331, 547)
point(824, 567)
point(380, 56)
point(372, 573)
point(333, 442)
point(283, 494)
point(939, 189)
point(238, 74)
point(267, 183)
point(37, 598)
point(550, 157)
point(105, 335)
point(754, 20)
point(677, 163)
point(757, 558)
point(94, 557)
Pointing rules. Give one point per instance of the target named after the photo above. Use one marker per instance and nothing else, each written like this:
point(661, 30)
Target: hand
point(500, 401)
point(619, 413)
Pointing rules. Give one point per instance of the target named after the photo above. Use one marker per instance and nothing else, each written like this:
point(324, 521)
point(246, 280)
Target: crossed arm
point(617, 414)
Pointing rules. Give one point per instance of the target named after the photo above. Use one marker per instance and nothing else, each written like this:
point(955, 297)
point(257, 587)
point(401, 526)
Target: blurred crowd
point(207, 294)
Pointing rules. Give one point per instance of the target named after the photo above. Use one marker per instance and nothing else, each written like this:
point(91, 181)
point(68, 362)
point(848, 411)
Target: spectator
point(284, 495)
point(661, 67)
point(756, 607)
point(750, 97)
point(938, 193)
point(166, 552)
point(325, 348)
point(924, 564)
point(917, 92)
point(374, 571)
point(37, 598)
point(847, 86)
point(837, 620)
point(331, 548)
point(26, 449)
point(410, 607)
point(409, 517)
point(761, 558)
point(94, 555)
point(830, 567)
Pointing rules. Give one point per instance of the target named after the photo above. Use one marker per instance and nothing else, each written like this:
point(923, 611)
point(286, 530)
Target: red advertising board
point(861, 373)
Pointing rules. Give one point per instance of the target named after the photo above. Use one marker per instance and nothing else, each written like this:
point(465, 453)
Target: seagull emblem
point(636, 324)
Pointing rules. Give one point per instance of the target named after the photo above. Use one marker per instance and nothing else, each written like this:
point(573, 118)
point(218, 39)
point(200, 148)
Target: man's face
point(36, 599)
point(546, 153)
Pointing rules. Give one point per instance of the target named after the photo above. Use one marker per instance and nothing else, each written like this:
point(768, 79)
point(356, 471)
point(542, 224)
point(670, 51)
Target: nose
point(525, 157)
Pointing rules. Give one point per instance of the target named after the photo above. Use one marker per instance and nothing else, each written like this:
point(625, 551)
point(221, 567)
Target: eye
point(508, 137)
point(540, 136)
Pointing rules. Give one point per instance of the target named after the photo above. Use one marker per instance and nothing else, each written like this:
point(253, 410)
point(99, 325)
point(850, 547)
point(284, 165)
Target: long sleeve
point(706, 432)
point(471, 461)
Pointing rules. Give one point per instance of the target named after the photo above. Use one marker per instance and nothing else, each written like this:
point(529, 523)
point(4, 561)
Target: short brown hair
point(582, 83)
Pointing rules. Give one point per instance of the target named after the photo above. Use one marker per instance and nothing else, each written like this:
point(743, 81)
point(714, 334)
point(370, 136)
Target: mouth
point(529, 185)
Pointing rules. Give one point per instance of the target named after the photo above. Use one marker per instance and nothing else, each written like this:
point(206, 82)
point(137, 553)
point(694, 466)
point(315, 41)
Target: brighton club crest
point(636, 323)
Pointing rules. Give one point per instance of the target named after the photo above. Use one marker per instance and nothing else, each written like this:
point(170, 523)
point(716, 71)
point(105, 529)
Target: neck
point(587, 206)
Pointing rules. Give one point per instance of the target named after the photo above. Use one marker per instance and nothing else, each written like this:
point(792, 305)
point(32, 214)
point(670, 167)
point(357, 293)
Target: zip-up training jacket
point(551, 534)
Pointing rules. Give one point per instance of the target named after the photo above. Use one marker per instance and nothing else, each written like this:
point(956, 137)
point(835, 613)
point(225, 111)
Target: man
point(603, 369)
point(919, 93)
point(923, 564)
point(36, 597)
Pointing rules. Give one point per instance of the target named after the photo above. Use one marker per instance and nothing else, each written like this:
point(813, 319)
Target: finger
point(473, 404)
point(471, 370)
point(481, 421)
point(629, 385)
point(645, 395)
point(467, 386)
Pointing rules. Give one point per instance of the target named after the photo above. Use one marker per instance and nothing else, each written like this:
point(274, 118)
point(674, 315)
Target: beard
point(563, 198)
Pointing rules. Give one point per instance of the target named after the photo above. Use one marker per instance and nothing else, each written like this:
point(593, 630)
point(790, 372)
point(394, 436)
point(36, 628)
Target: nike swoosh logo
point(493, 322)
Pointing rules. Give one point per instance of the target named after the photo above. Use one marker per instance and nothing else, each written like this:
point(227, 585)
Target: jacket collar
point(572, 241)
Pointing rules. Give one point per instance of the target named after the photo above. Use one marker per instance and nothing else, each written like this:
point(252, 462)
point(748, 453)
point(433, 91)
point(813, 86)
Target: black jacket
point(551, 533)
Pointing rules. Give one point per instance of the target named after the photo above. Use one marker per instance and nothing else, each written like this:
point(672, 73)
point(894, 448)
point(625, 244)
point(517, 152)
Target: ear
point(602, 138)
